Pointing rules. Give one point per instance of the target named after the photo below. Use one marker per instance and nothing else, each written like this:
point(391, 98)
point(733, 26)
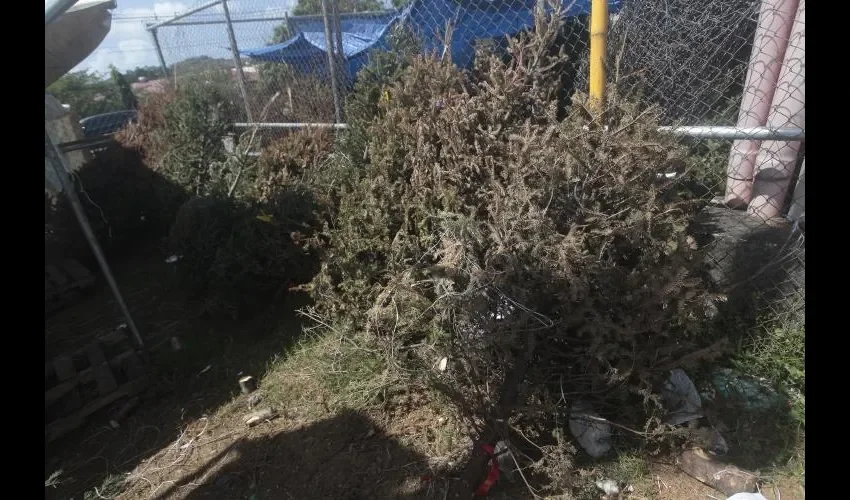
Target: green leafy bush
point(180, 133)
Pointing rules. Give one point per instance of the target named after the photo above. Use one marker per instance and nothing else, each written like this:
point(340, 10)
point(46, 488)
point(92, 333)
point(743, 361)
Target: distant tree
point(203, 64)
point(309, 7)
point(398, 4)
point(314, 7)
point(128, 99)
point(87, 93)
point(274, 74)
point(147, 72)
point(281, 34)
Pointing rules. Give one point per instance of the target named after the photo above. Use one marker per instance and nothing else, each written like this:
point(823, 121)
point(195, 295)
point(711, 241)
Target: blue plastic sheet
point(472, 21)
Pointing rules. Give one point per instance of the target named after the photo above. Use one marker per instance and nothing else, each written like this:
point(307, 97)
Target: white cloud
point(161, 9)
point(128, 44)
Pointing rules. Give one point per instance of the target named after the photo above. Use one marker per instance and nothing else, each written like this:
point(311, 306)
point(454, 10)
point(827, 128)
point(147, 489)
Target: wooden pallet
point(63, 282)
point(79, 384)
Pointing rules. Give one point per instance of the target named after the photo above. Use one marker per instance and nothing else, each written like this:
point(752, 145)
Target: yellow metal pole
point(598, 47)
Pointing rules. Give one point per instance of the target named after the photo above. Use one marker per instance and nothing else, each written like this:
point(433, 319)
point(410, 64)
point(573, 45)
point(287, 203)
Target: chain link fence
point(728, 76)
point(731, 75)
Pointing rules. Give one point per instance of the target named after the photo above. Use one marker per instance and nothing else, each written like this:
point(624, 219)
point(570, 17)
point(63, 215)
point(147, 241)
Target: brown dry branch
point(540, 255)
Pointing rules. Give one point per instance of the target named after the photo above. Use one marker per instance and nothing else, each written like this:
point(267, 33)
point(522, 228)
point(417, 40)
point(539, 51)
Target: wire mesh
point(734, 63)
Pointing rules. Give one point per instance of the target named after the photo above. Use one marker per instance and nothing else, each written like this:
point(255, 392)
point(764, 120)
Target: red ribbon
point(493, 475)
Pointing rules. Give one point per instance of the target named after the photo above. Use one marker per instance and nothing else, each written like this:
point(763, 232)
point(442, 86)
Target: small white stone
point(609, 486)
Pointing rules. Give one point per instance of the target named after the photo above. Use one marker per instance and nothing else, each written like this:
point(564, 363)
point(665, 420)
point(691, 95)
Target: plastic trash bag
point(506, 460)
point(681, 398)
point(591, 431)
point(747, 392)
point(747, 496)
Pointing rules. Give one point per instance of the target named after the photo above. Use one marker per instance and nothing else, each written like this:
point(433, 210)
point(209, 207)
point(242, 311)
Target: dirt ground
point(188, 440)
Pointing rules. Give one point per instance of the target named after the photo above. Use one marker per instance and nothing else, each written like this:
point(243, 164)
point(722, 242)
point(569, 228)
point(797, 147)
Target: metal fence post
point(342, 74)
point(331, 62)
point(289, 27)
point(598, 48)
point(159, 52)
point(238, 61)
point(58, 163)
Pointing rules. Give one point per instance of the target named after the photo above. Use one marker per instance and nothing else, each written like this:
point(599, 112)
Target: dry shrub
point(250, 232)
point(312, 97)
point(384, 68)
point(542, 256)
point(180, 131)
point(126, 203)
point(289, 159)
point(151, 118)
point(237, 258)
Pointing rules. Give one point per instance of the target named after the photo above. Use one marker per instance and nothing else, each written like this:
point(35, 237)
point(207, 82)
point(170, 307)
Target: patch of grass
point(708, 160)
point(111, 487)
point(324, 373)
point(776, 351)
point(772, 351)
point(327, 373)
point(628, 469)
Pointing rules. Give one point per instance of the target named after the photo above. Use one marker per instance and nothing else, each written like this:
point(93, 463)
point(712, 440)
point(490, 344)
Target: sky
point(129, 45)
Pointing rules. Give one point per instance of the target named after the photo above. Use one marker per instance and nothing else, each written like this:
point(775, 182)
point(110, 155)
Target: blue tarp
point(307, 51)
point(472, 20)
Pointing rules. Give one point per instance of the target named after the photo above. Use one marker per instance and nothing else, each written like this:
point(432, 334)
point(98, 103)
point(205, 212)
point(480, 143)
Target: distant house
point(145, 86)
point(251, 73)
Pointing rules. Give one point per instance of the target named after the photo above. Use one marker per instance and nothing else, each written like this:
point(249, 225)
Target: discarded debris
point(176, 344)
point(443, 364)
point(725, 478)
point(683, 401)
point(681, 398)
point(609, 487)
point(205, 370)
point(257, 417)
point(505, 460)
point(172, 259)
point(747, 496)
point(592, 431)
point(749, 393)
point(255, 399)
point(709, 439)
point(247, 384)
point(124, 411)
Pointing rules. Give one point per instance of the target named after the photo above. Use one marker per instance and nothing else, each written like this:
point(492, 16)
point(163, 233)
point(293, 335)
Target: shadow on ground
point(131, 209)
point(343, 457)
point(188, 384)
point(761, 269)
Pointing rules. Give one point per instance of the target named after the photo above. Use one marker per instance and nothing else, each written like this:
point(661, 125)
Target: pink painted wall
point(777, 160)
point(771, 39)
